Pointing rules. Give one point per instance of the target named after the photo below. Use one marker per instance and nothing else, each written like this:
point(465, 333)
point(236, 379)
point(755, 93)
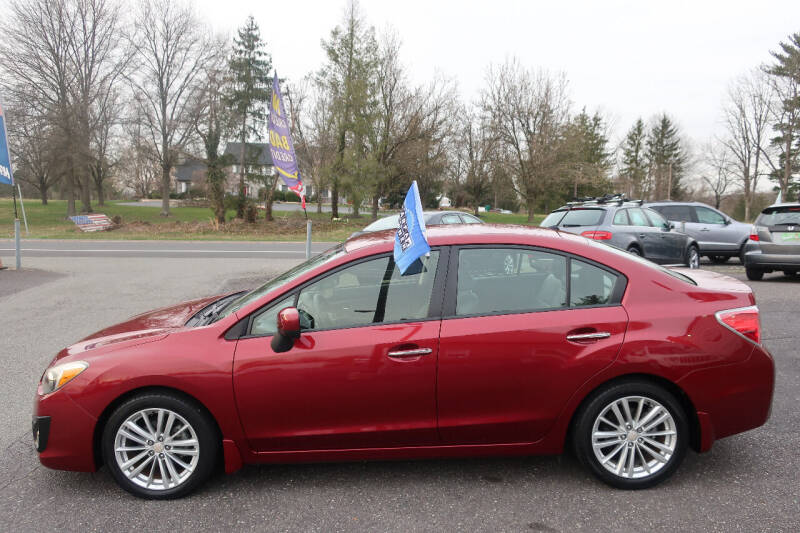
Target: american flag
point(92, 222)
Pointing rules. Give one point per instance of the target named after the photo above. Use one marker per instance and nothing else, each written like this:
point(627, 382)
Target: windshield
point(574, 217)
point(776, 216)
point(384, 223)
point(325, 257)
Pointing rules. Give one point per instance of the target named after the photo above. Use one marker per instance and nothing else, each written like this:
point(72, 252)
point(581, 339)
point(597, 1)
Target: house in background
point(190, 175)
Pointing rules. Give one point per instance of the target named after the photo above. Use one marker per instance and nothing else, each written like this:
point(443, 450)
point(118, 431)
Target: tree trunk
point(165, 190)
point(319, 201)
point(71, 194)
point(240, 203)
point(268, 199)
point(530, 203)
point(86, 193)
point(335, 200)
point(375, 206)
point(101, 196)
point(43, 193)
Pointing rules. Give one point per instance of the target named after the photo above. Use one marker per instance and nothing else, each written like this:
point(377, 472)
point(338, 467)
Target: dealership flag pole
point(7, 177)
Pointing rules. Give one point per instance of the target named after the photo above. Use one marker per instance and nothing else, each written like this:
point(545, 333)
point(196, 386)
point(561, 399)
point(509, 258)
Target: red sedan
point(504, 341)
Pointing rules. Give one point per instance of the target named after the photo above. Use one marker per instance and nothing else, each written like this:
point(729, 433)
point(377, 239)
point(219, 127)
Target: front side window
point(469, 219)
point(497, 280)
point(656, 220)
point(367, 293)
point(451, 219)
point(266, 322)
point(707, 216)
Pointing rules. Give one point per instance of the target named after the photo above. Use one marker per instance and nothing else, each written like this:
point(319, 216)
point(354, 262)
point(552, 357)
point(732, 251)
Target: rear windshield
point(776, 216)
point(574, 217)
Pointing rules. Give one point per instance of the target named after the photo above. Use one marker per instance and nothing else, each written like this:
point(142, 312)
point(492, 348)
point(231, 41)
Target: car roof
point(468, 234)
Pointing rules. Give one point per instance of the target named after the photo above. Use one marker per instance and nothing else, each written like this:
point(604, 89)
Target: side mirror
point(727, 221)
point(288, 330)
point(671, 225)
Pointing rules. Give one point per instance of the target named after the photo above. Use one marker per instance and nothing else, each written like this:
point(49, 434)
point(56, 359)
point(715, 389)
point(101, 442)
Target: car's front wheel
point(692, 257)
point(159, 445)
point(631, 435)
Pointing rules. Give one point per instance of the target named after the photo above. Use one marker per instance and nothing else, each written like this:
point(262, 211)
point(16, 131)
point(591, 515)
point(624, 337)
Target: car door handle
point(409, 353)
point(588, 336)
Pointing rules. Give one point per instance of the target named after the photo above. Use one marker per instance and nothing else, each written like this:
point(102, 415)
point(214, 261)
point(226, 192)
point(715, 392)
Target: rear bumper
point(733, 398)
point(757, 259)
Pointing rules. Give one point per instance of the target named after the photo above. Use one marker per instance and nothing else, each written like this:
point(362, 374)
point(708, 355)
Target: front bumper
point(65, 433)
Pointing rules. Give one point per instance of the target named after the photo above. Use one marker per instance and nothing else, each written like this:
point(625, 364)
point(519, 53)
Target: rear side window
point(590, 285)
point(681, 213)
point(468, 219)
point(498, 280)
point(621, 218)
point(707, 216)
point(583, 217)
point(775, 216)
point(515, 280)
point(637, 217)
point(451, 219)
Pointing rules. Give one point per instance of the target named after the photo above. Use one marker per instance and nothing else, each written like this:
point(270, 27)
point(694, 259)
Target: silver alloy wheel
point(694, 258)
point(634, 437)
point(156, 449)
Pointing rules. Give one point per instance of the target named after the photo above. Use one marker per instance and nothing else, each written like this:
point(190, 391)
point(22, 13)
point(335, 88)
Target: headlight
point(57, 376)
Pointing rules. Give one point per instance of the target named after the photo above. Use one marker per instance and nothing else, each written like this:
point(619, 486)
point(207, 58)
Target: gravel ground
point(747, 482)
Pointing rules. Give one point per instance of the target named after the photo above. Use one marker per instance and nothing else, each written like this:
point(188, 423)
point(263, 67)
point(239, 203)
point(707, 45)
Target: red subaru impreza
point(505, 340)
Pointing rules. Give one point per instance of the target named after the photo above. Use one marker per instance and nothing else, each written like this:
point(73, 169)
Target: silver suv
point(719, 236)
point(627, 225)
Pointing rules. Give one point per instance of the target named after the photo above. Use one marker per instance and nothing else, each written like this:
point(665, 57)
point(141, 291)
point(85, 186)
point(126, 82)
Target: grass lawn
point(191, 223)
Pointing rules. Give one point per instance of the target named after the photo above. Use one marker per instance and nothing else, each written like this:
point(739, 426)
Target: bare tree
point(32, 145)
point(474, 157)
point(717, 174)
point(171, 48)
point(746, 118)
point(529, 111)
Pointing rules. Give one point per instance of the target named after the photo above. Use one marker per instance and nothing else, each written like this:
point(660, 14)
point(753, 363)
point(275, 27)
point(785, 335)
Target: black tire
point(199, 422)
point(753, 274)
point(655, 396)
point(719, 259)
point(692, 257)
point(635, 251)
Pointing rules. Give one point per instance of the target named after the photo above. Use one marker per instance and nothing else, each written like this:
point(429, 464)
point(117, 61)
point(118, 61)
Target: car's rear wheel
point(754, 274)
point(159, 445)
point(719, 259)
point(692, 257)
point(631, 435)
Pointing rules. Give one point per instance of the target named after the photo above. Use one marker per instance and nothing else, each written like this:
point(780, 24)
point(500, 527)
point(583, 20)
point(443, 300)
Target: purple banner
point(280, 144)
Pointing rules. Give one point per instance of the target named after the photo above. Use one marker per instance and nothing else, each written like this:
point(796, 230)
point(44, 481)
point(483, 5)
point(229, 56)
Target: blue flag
point(410, 242)
point(6, 175)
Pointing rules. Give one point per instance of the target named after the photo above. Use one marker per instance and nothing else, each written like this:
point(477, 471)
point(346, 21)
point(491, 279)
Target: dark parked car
point(774, 242)
point(628, 226)
point(507, 341)
point(719, 236)
point(432, 218)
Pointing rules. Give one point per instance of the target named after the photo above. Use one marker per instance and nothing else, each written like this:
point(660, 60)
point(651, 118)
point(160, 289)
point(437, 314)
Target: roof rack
point(618, 198)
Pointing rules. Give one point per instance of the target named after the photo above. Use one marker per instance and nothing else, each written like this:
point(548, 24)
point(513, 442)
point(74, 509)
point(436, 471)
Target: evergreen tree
point(589, 155)
point(786, 71)
point(666, 160)
point(634, 160)
point(251, 91)
point(349, 81)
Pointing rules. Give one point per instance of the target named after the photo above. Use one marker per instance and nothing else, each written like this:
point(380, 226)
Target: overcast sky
point(625, 58)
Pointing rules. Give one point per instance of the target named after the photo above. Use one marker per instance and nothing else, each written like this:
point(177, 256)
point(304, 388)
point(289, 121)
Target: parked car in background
point(774, 242)
point(507, 341)
point(432, 218)
point(628, 226)
point(719, 236)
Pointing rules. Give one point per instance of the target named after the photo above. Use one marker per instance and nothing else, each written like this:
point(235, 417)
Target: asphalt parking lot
point(748, 482)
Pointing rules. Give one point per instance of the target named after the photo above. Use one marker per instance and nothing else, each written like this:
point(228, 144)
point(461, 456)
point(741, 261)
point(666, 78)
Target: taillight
point(743, 321)
point(754, 236)
point(597, 235)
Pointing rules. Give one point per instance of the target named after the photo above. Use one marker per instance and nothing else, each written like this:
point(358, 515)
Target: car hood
point(147, 327)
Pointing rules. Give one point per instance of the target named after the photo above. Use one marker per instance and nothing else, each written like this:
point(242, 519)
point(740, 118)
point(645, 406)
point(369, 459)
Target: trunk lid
point(713, 286)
